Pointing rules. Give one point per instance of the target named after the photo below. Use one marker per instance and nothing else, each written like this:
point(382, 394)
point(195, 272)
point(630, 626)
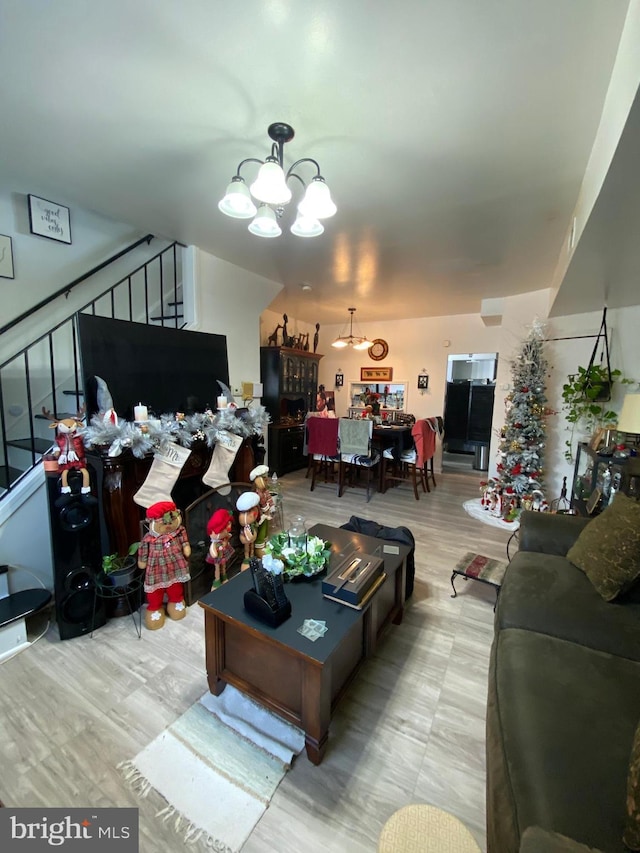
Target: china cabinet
point(290, 383)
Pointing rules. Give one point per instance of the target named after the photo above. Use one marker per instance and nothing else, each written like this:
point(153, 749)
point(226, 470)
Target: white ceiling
point(454, 134)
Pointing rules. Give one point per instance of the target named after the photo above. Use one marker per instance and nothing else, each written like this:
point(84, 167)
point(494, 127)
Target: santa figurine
point(164, 556)
point(220, 550)
point(248, 515)
point(267, 506)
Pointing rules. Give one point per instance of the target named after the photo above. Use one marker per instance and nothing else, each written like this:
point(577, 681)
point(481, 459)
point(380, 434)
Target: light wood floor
point(411, 728)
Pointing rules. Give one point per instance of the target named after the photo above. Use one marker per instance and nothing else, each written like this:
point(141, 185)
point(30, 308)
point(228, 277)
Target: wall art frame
point(49, 219)
point(376, 374)
point(6, 257)
point(423, 381)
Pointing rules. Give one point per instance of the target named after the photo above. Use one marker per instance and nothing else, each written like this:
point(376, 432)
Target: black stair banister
point(66, 290)
point(26, 380)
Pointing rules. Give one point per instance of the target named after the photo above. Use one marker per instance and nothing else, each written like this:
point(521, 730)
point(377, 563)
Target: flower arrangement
point(307, 559)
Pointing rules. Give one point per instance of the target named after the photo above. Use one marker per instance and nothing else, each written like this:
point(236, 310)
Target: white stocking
point(162, 476)
point(224, 452)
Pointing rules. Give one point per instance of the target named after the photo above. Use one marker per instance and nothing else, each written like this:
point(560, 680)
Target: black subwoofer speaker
point(77, 557)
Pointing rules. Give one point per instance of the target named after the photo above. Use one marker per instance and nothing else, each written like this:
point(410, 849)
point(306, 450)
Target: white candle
point(140, 413)
point(222, 402)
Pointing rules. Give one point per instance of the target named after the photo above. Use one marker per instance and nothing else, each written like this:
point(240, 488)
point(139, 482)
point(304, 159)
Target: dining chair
point(425, 433)
point(356, 452)
point(403, 469)
point(322, 446)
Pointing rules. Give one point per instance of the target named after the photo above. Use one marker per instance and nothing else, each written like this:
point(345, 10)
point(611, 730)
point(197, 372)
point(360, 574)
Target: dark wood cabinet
point(290, 384)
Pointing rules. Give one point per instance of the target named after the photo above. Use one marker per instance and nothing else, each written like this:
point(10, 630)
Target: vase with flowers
point(301, 559)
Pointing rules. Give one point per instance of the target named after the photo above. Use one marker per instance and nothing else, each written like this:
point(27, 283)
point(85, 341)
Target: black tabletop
point(306, 597)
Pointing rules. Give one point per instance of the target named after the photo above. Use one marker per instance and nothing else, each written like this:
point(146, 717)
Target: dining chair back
point(356, 452)
point(322, 447)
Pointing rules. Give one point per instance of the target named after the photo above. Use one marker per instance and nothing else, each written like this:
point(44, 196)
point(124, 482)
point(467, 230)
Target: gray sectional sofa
point(564, 700)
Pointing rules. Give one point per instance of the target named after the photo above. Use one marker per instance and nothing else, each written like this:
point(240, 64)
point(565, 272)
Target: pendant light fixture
point(350, 340)
point(270, 189)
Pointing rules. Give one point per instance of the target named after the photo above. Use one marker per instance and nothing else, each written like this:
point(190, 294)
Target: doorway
point(468, 411)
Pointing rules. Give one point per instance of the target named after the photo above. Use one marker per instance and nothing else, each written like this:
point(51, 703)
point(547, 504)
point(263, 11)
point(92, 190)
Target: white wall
point(229, 301)
point(42, 266)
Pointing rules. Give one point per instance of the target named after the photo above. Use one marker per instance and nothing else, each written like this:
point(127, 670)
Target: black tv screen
point(168, 370)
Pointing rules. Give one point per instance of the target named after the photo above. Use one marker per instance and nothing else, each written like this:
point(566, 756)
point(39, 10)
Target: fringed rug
point(217, 781)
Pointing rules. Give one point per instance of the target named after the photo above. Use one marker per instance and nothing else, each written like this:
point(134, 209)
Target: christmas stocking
point(224, 452)
point(162, 476)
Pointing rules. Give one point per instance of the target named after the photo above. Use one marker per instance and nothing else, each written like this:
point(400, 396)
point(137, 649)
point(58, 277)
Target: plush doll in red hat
point(220, 549)
point(164, 555)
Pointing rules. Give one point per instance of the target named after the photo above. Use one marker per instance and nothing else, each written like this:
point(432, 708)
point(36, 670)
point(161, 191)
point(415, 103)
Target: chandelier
point(271, 192)
point(351, 340)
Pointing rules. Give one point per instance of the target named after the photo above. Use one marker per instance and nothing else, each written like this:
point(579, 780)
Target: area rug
point(217, 767)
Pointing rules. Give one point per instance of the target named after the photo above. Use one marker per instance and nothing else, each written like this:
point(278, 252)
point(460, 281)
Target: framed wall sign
point(49, 219)
point(6, 257)
point(376, 374)
point(339, 380)
point(423, 381)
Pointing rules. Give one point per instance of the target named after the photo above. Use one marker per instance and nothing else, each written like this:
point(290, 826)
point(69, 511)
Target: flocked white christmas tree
point(522, 438)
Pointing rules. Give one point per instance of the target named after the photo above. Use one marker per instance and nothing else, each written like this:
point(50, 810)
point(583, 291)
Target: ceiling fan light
point(306, 226)
point(237, 201)
point(270, 186)
point(265, 223)
point(317, 201)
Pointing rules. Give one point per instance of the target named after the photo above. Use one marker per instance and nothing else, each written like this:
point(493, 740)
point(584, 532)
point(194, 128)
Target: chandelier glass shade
point(271, 191)
point(345, 339)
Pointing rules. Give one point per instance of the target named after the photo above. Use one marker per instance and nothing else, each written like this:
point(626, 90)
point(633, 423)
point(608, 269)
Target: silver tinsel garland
point(183, 430)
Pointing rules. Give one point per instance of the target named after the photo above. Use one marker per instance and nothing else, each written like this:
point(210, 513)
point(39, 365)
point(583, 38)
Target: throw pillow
point(631, 835)
point(608, 549)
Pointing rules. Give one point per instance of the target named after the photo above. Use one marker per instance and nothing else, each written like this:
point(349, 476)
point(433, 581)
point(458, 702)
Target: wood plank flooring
point(411, 728)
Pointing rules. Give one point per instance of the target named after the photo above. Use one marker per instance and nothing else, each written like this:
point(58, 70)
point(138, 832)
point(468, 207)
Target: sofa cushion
point(608, 549)
point(631, 836)
point(537, 840)
point(547, 594)
point(561, 723)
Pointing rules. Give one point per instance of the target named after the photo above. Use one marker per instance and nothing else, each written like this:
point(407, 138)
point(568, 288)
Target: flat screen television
point(168, 370)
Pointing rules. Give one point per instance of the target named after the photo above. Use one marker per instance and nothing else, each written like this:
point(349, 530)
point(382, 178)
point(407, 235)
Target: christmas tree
point(522, 438)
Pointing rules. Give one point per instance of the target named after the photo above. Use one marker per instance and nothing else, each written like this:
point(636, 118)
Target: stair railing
point(48, 368)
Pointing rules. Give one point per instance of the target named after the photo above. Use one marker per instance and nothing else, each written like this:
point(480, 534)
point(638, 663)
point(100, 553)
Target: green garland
point(172, 429)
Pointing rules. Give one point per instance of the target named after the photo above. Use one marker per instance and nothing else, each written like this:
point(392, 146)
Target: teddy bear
point(220, 550)
point(267, 506)
point(164, 556)
point(248, 515)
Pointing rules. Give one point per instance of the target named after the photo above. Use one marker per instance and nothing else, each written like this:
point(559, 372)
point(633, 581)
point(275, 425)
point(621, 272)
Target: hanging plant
point(584, 396)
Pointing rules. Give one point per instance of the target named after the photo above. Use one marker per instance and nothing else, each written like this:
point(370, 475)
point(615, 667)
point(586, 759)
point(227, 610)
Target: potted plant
point(120, 571)
point(584, 396)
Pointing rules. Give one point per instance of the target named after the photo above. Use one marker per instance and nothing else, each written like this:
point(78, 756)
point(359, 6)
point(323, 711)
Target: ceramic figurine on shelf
point(267, 506)
point(538, 503)
point(220, 550)
point(164, 556)
point(248, 515)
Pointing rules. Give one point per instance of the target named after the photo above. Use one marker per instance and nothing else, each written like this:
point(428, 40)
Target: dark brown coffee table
point(298, 679)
